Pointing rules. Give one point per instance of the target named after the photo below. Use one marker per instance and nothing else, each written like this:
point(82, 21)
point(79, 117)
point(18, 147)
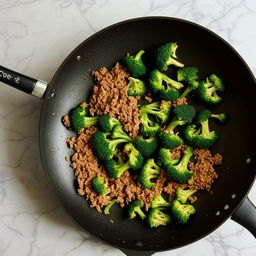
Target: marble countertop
point(35, 37)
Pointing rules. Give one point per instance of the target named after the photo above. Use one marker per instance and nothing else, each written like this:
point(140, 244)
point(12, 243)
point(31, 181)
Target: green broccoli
point(149, 172)
point(177, 170)
point(165, 158)
point(134, 64)
point(201, 137)
point(189, 75)
point(221, 117)
point(80, 119)
point(182, 212)
point(160, 109)
point(116, 169)
point(208, 90)
point(182, 195)
point(158, 218)
point(136, 87)
point(106, 123)
point(166, 55)
point(183, 114)
point(147, 147)
point(159, 201)
point(135, 158)
point(119, 133)
point(135, 208)
point(108, 206)
point(148, 127)
point(99, 185)
point(164, 85)
point(105, 148)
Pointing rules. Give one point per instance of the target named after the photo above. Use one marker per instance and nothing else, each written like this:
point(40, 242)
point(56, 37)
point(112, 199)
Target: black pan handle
point(24, 83)
point(136, 253)
point(246, 216)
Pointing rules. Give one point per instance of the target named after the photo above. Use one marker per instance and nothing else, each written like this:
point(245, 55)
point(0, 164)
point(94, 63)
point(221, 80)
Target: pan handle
point(129, 252)
point(246, 216)
point(23, 83)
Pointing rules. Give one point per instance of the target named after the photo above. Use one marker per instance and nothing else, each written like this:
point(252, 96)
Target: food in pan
point(140, 141)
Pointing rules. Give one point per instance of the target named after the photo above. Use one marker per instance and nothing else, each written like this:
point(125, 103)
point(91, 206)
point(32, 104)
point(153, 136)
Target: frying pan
point(72, 84)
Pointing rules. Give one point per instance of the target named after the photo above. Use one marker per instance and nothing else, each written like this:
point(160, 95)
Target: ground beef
point(110, 97)
point(66, 121)
point(124, 190)
point(127, 188)
point(204, 173)
point(148, 98)
point(181, 101)
point(203, 169)
point(177, 152)
point(84, 105)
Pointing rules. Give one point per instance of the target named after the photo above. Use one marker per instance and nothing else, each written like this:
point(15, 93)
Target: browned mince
point(181, 101)
point(110, 97)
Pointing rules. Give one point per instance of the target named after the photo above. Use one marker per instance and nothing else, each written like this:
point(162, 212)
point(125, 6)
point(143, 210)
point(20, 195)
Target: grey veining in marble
point(35, 37)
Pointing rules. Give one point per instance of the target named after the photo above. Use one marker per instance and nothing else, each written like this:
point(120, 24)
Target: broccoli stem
point(185, 159)
point(108, 206)
point(173, 83)
point(139, 54)
point(186, 92)
point(124, 166)
point(174, 123)
point(114, 143)
point(174, 62)
point(206, 129)
point(141, 213)
point(89, 121)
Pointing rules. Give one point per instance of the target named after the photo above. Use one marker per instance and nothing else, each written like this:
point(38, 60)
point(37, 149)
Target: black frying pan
point(72, 84)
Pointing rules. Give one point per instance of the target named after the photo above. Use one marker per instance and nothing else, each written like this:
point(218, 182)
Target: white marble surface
point(35, 37)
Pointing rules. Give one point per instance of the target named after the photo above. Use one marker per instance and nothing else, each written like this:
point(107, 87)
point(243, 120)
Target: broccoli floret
point(165, 158)
point(179, 172)
point(159, 201)
point(134, 64)
point(201, 137)
point(147, 147)
point(99, 185)
point(183, 114)
point(135, 208)
point(164, 85)
point(160, 109)
point(148, 127)
point(136, 87)
point(104, 147)
point(158, 218)
point(108, 206)
point(223, 118)
point(189, 75)
point(135, 158)
point(166, 55)
point(116, 169)
point(118, 133)
point(208, 90)
point(149, 172)
point(182, 212)
point(106, 123)
point(182, 195)
point(80, 119)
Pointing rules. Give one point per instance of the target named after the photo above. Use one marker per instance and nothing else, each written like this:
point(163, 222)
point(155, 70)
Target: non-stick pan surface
point(72, 84)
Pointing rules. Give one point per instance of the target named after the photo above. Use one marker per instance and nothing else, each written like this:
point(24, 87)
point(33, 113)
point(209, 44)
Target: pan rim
point(42, 150)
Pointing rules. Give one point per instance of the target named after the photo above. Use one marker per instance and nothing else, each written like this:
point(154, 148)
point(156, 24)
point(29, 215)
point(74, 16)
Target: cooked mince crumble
point(110, 97)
